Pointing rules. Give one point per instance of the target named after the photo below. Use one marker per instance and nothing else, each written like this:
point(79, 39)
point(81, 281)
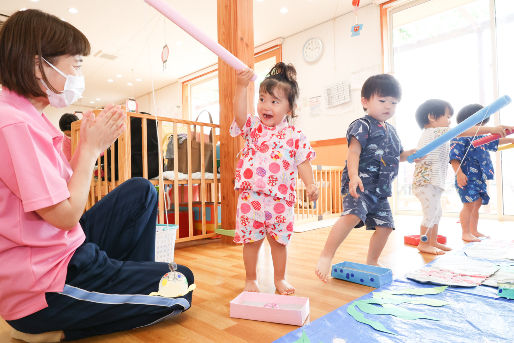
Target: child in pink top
point(274, 153)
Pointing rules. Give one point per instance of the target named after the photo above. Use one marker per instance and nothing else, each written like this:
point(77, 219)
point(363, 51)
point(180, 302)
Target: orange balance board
point(414, 239)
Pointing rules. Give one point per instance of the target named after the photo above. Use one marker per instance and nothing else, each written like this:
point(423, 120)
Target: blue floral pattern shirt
point(476, 164)
point(380, 155)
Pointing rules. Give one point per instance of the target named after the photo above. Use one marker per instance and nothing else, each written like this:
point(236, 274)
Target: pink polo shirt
point(34, 175)
point(66, 147)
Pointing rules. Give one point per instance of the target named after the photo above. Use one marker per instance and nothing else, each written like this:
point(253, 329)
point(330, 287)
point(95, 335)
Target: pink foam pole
point(484, 140)
point(170, 13)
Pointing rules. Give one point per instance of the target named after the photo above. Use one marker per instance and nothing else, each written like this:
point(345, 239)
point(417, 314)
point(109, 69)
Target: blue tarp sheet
point(473, 314)
point(466, 318)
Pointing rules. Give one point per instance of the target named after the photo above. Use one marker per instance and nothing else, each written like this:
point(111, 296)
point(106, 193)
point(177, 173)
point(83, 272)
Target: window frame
point(211, 72)
point(387, 9)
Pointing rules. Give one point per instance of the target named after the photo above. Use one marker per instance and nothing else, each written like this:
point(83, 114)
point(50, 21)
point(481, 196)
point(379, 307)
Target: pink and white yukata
point(266, 176)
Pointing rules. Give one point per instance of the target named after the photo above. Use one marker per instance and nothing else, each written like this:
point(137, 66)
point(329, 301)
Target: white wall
point(345, 58)
point(168, 101)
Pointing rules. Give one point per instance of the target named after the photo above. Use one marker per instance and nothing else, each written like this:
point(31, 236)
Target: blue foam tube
point(466, 124)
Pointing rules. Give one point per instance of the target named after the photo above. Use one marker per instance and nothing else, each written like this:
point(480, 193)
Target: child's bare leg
point(429, 246)
point(279, 256)
point(250, 256)
point(337, 235)
point(475, 215)
point(377, 243)
point(465, 218)
point(434, 241)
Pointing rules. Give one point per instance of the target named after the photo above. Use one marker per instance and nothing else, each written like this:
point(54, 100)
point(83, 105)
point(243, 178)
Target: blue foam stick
point(466, 124)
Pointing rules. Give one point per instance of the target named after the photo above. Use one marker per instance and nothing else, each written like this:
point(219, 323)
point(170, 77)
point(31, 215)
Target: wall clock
point(312, 50)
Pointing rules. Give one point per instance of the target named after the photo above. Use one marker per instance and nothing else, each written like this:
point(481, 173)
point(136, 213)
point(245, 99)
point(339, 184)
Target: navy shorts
point(474, 190)
point(372, 210)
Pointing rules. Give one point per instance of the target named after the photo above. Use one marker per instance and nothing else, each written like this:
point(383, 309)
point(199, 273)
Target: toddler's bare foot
point(251, 286)
point(442, 246)
point(430, 249)
point(469, 238)
point(323, 268)
point(374, 263)
point(479, 234)
point(283, 287)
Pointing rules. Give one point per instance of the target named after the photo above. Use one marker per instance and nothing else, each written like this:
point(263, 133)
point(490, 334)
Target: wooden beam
point(235, 33)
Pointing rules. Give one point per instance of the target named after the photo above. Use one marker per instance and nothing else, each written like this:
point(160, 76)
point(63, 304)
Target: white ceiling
point(135, 33)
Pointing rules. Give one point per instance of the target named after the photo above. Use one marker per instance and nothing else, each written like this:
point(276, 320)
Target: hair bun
point(285, 71)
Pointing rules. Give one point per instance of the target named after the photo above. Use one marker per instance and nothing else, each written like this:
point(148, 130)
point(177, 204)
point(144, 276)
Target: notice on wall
point(314, 104)
point(358, 77)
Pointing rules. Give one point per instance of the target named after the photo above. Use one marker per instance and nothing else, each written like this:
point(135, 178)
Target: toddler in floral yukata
point(274, 153)
point(374, 155)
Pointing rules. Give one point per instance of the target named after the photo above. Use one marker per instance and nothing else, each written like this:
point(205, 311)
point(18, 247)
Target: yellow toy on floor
point(173, 284)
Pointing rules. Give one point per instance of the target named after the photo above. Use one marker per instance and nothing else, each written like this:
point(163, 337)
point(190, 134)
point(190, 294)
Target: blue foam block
point(362, 273)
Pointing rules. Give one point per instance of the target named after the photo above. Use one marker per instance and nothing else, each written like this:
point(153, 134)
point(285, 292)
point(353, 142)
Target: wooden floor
point(219, 274)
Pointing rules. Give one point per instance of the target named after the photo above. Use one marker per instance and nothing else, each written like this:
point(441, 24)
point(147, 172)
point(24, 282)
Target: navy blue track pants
point(110, 275)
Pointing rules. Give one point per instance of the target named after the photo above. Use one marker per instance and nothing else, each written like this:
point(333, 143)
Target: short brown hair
point(30, 33)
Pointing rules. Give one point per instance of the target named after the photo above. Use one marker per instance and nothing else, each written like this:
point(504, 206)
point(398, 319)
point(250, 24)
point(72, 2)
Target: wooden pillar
point(235, 33)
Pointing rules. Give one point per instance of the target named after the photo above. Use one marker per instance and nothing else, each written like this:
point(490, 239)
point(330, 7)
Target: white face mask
point(73, 89)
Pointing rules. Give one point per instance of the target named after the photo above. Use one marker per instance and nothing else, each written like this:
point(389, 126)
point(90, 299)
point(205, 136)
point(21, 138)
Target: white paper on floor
point(454, 271)
point(490, 249)
point(504, 275)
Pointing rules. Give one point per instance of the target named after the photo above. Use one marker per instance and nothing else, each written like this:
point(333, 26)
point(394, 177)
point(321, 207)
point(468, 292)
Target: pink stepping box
point(265, 307)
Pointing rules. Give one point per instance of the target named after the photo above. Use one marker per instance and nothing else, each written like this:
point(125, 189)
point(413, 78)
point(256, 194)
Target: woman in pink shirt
point(67, 274)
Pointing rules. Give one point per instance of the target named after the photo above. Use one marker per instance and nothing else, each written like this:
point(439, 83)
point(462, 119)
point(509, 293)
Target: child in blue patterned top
point(473, 167)
point(374, 155)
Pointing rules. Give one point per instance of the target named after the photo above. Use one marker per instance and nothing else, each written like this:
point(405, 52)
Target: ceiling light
point(110, 80)
point(129, 83)
point(98, 99)
point(119, 76)
point(284, 10)
point(91, 102)
point(73, 10)
point(139, 79)
point(34, 0)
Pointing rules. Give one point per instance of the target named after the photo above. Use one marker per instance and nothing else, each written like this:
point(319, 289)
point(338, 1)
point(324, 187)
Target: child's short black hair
point(467, 111)
point(66, 120)
point(381, 85)
point(435, 107)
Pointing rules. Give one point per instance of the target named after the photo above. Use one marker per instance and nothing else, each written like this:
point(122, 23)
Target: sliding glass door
point(505, 48)
point(460, 52)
